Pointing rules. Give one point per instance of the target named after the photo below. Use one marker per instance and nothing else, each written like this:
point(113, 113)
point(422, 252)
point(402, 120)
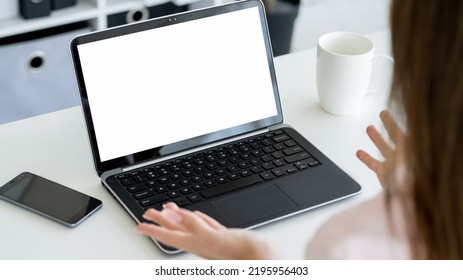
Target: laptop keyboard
point(202, 175)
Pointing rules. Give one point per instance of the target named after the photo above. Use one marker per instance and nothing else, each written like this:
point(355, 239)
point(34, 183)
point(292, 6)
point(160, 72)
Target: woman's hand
point(199, 234)
point(392, 170)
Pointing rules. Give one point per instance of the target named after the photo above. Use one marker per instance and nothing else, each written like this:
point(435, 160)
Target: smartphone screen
point(49, 199)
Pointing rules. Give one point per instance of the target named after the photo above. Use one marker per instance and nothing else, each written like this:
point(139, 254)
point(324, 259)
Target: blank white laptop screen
point(169, 84)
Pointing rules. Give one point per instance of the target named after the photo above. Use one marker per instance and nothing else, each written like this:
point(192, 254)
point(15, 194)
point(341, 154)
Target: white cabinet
point(36, 75)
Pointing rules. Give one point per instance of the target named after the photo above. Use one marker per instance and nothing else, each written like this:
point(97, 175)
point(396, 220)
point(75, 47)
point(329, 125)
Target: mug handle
point(379, 75)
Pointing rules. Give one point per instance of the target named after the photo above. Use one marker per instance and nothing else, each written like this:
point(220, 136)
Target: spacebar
point(243, 182)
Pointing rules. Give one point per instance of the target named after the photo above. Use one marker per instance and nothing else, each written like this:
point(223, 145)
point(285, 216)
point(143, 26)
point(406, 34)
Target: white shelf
point(116, 6)
point(85, 10)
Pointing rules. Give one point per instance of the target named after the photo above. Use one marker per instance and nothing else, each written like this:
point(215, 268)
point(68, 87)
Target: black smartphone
point(50, 199)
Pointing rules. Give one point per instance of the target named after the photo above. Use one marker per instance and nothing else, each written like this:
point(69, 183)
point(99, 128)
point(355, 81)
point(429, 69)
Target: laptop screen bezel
point(158, 152)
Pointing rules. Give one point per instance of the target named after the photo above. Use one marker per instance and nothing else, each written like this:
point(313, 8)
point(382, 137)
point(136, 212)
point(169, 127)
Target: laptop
point(186, 108)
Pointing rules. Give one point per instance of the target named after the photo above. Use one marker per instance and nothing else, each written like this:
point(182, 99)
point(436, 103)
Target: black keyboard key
point(197, 178)
point(127, 182)
point(198, 186)
point(161, 189)
point(267, 142)
point(154, 199)
point(281, 138)
point(312, 162)
point(292, 150)
point(222, 154)
point(278, 154)
point(173, 193)
point(256, 169)
point(246, 156)
point(175, 176)
point(301, 165)
point(278, 172)
point(297, 157)
point(235, 159)
point(267, 175)
point(185, 190)
point(290, 143)
point(279, 146)
point(181, 201)
point(267, 158)
point(246, 181)
point(268, 166)
point(154, 206)
point(223, 162)
point(245, 149)
point(279, 162)
point(188, 165)
point(222, 180)
point(200, 169)
point(208, 175)
point(233, 168)
point(221, 171)
point(164, 180)
point(199, 154)
point(121, 177)
point(187, 173)
point(144, 193)
point(173, 185)
point(164, 171)
point(211, 158)
point(185, 182)
point(291, 169)
point(244, 165)
point(268, 150)
point(151, 183)
point(194, 197)
point(200, 161)
point(139, 178)
point(136, 188)
point(233, 176)
point(235, 152)
point(175, 168)
point(210, 183)
point(212, 165)
point(246, 172)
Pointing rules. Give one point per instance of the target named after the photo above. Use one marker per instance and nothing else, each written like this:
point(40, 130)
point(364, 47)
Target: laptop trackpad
point(253, 205)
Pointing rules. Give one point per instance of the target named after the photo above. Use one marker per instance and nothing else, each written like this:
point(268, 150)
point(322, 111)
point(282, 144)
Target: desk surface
point(55, 146)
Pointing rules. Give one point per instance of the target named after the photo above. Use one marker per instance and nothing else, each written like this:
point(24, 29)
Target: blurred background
point(36, 75)
point(317, 17)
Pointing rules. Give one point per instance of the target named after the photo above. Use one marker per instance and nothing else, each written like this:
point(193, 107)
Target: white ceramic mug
point(344, 65)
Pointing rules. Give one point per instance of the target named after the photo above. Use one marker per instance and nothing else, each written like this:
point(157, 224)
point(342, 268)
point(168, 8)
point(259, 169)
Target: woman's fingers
point(385, 149)
point(174, 218)
point(167, 218)
point(174, 238)
point(372, 163)
point(210, 221)
point(194, 223)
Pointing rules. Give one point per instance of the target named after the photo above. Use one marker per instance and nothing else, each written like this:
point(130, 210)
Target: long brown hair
point(427, 44)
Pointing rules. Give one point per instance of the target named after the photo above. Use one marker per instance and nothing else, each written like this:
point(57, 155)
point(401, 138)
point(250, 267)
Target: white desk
point(55, 146)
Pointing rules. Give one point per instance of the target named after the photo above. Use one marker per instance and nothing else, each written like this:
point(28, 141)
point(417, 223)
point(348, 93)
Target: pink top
point(366, 231)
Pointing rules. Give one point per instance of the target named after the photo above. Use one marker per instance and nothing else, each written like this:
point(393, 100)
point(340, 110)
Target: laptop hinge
point(197, 149)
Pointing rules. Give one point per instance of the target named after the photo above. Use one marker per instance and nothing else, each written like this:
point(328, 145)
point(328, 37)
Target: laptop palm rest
point(255, 204)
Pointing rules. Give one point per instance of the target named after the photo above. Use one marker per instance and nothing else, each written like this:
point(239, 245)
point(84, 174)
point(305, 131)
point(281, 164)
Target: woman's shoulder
point(365, 231)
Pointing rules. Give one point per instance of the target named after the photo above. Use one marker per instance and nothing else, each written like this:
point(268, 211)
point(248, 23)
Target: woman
point(420, 213)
